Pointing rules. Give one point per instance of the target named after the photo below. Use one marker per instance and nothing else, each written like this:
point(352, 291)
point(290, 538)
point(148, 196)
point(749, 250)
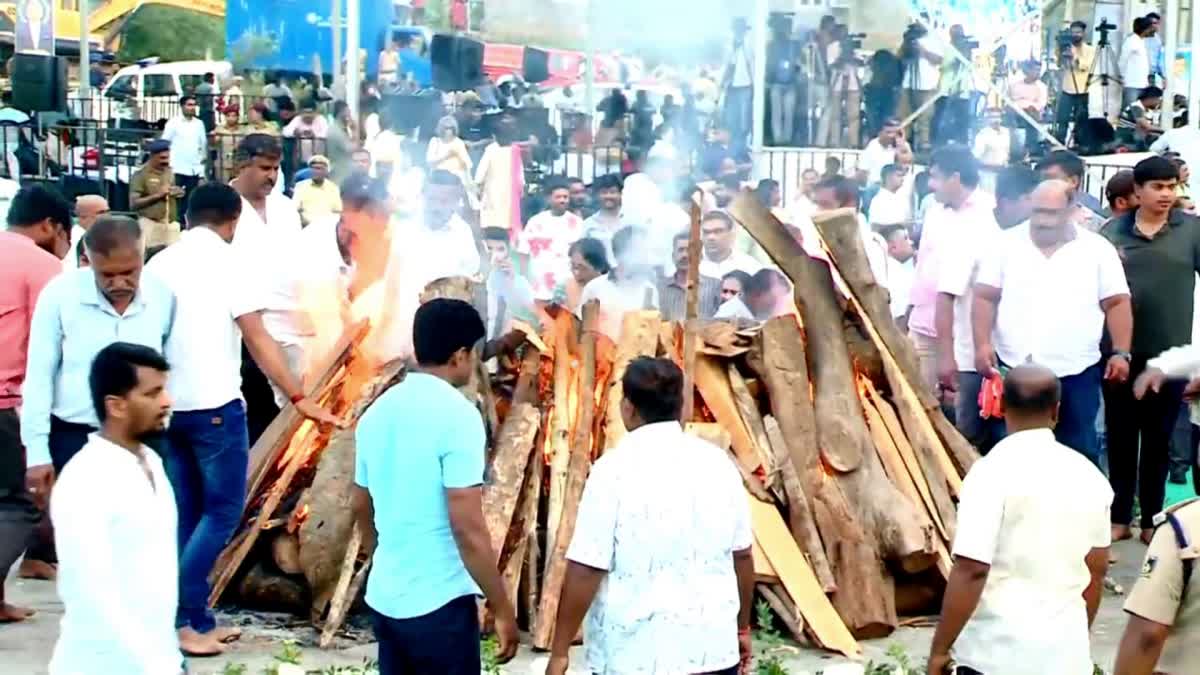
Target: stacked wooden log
point(850, 468)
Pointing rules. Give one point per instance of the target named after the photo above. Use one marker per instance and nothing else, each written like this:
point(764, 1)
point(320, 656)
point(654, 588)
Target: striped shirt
point(672, 298)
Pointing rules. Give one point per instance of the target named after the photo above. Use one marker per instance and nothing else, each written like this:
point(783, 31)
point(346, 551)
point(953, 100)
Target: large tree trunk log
point(514, 446)
point(639, 337)
point(800, 517)
point(261, 590)
point(712, 379)
point(326, 531)
point(577, 471)
point(840, 232)
point(747, 407)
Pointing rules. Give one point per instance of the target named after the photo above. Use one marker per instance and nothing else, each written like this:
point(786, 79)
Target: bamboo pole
point(691, 316)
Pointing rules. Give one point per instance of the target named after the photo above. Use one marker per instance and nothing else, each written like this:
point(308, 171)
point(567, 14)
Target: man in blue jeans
point(208, 455)
point(418, 501)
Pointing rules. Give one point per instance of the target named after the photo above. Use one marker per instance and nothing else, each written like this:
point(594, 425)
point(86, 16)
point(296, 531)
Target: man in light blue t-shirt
point(418, 500)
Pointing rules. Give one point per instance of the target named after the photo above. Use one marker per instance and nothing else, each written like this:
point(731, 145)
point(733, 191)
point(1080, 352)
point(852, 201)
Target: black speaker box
point(536, 65)
point(39, 83)
point(457, 62)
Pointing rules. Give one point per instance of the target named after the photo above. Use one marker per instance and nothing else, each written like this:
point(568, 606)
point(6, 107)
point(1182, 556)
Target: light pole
point(335, 21)
point(353, 76)
point(85, 50)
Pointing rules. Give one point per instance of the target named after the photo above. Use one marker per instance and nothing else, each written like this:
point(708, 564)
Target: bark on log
point(752, 420)
point(285, 551)
point(577, 471)
point(639, 337)
point(514, 447)
point(691, 316)
point(800, 517)
point(781, 603)
point(559, 433)
point(343, 593)
point(324, 534)
point(840, 232)
point(261, 590)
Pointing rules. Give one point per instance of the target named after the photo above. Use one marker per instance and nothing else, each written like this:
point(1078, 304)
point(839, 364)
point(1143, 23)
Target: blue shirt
point(72, 322)
point(421, 438)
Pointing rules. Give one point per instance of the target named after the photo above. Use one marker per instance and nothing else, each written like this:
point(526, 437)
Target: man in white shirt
point(888, 207)
point(217, 308)
point(1134, 62)
point(114, 520)
point(545, 241)
point(1031, 550)
point(738, 84)
point(1184, 140)
point(881, 151)
point(939, 323)
point(901, 270)
point(665, 567)
point(87, 209)
point(443, 243)
point(993, 143)
point(1045, 292)
point(719, 235)
point(189, 147)
point(840, 192)
point(268, 218)
point(629, 287)
point(922, 61)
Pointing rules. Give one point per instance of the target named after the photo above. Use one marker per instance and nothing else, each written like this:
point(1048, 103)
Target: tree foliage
point(172, 34)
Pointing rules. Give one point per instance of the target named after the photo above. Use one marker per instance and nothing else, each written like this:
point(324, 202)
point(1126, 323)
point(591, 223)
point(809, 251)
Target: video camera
point(855, 41)
point(908, 44)
point(1063, 40)
point(1104, 28)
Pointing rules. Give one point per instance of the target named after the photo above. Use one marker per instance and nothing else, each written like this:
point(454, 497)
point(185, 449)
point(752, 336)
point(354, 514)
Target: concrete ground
point(25, 648)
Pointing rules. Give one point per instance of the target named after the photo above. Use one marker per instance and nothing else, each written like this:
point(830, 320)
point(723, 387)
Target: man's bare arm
point(475, 547)
point(1118, 316)
point(364, 515)
point(1097, 564)
point(743, 567)
point(983, 322)
point(579, 589)
point(267, 353)
point(1141, 645)
point(963, 590)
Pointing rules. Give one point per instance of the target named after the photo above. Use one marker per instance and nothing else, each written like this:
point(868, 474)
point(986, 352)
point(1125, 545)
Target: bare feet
point(1121, 533)
point(36, 569)
point(1147, 535)
point(192, 643)
point(225, 634)
point(12, 613)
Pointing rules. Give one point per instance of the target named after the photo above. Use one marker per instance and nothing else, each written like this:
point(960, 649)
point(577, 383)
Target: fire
point(297, 519)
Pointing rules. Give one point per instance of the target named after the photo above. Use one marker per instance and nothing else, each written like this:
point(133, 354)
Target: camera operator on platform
point(921, 56)
point(952, 122)
point(1075, 58)
point(845, 91)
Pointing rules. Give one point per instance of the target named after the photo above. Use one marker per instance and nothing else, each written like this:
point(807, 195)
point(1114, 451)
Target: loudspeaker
point(39, 83)
point(457, 62)
point(536, 65)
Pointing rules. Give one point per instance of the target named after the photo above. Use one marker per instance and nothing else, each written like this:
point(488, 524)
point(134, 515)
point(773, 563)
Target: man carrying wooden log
point(664, 565)
point(1031, 550)
point(208, 434)
point(1045, 292)
point(417, 500)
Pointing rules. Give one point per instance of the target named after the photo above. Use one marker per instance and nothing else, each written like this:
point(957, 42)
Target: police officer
point(1164, 606)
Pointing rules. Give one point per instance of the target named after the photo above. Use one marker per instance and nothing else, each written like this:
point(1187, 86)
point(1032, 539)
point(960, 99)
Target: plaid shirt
point(672, 298)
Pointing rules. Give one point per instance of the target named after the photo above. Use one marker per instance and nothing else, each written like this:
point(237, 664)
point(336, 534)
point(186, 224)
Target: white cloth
point(189, 145)
point(969, 243)
point(734, 308)
point(736, 261)
point(877, 250)
point(616, 299)
point(261, 240)
point(117, 564)
point(1049, 309)
point(873, 158)
point(993, 146)
point(1135, 62)
point(669, 602)
point(1034, 528)
point(449, 251)
point(899, 284)
point(1179, 363)
point(928, 73)
point(888, 208)
point(546, 240)
point(212, 288)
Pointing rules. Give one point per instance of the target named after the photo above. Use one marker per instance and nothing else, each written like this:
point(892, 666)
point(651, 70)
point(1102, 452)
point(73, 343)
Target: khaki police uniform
point(158, 222)
point(1166, 593)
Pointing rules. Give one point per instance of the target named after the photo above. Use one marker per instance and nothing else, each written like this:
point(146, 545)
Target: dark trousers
point(1139, 440)
point(1077, 413)
point(207, 463)
point(952, 120)
point(66, 440)
point(18, 515)
point(1183, 442)
point(1071, 109)
point(188, 183)
point(444, 641)
point(880, 104)
point(984, 434)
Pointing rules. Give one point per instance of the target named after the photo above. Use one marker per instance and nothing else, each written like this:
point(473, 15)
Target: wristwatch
point(1125, 355)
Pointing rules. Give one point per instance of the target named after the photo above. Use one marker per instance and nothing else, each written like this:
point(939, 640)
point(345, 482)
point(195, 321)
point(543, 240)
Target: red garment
point(26, 270)
point(458, 14)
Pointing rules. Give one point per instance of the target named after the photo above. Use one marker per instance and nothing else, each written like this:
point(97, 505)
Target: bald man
point(1045, 293)
point(87, 209)
point(1031, 548)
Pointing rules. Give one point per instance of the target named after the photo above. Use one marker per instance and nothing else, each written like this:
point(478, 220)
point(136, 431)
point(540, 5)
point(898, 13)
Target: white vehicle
point(148, 91)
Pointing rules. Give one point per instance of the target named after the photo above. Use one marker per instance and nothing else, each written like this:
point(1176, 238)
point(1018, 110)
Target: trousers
point(1139, 439)
point(444, 641)
point(783, 113)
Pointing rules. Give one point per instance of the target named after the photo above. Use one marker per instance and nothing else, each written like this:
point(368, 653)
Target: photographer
point(782, 78)
point(1075, 58)
point(1135, 61)
point(845, 91)
point(922, 57)
point(952, 119)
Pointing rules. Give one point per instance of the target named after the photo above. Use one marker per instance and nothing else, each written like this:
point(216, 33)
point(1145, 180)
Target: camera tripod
point(1103, 66)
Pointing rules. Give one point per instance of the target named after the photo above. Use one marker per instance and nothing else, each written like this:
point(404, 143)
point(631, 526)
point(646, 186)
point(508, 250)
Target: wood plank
point(577, 472)
point(691, 315)
point(712, 379)
point(800, 517)
point(798, 578)
point(762, 566)
point(559, 434)
point(278, 434)
point(639, 337)
point(340, 603)
point(514, 448)
point(717, 435)
point(752, 419)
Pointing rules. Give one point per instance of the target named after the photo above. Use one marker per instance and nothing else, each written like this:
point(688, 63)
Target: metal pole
point(1194, 71)
point(1170, 47)
point(335, 21)
point(85, 50)
point(589, 73)
point(353, 76)
point(758, 31)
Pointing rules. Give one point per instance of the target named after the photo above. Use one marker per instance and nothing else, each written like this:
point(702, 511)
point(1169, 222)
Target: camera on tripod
point(908, 44)
point(855, 40)
point(1064, 40)
point(1104, 28)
